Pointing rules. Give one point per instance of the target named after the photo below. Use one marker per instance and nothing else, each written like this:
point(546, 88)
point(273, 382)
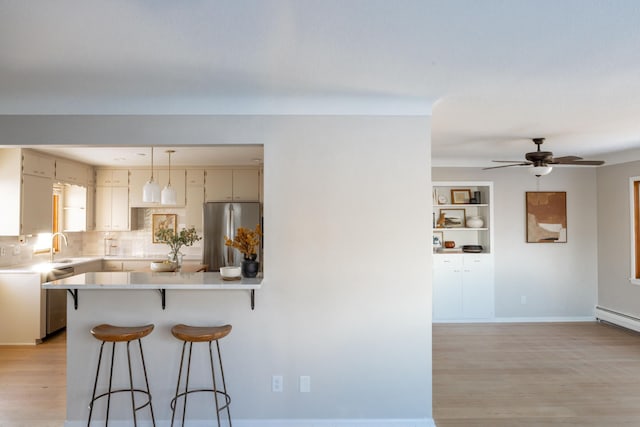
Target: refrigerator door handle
point(231, 233)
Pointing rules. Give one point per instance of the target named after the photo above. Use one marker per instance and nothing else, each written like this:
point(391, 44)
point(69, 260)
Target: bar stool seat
point(121, 334)
point(112, 333)
point(197, 334)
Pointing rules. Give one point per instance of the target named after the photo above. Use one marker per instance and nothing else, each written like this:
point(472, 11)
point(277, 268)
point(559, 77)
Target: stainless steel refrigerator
point(223, 219)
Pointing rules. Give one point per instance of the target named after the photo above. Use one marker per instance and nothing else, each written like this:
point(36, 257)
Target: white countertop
point(154, 280)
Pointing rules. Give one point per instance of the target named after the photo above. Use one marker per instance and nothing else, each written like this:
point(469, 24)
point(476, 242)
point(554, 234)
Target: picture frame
point(159, 221)
point(454, 218)
point(460, 196)
point(546, 216)
point(438, 239)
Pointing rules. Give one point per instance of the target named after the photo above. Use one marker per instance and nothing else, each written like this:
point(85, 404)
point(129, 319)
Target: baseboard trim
point(424, 422)
point(523, 320)
point(620, 319)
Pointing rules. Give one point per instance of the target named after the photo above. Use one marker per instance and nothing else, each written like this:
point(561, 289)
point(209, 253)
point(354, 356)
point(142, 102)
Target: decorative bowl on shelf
point(163, 266)
point(230, 273)
point(474, 249)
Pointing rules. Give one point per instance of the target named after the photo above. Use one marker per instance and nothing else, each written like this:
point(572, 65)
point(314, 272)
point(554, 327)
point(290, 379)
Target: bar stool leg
point(175, 401)
point(146, 380)
point(215, 387)
point(133, 400)
point(186, 385)
point(95, 385)
point(224, 384)
point(113, 353)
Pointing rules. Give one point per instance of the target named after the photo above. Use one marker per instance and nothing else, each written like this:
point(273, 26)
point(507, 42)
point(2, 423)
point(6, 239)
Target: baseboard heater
point(620, 319)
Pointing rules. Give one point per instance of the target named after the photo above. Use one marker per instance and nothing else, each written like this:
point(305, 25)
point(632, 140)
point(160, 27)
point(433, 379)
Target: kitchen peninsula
point(134, 298)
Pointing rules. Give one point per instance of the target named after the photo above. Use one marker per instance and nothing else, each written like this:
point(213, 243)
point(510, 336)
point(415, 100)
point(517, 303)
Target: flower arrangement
point(246, 241)
point(186, 237)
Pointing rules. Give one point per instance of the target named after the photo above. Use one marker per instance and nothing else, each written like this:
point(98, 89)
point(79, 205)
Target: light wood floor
point(546, 374)
point(493, 375)
point(33, 384)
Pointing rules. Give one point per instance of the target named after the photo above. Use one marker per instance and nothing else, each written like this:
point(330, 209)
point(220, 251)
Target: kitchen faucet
point(52, 239)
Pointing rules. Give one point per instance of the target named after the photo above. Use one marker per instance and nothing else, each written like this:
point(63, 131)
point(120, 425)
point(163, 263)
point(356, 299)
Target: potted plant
point(247, 241)
point(186, 237)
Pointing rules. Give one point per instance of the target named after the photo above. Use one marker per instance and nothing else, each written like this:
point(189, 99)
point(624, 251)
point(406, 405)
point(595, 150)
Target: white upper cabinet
point(112, 177)
point(27, 197)
point(37, 205)
point(112, 211)
point(34, 163)
point(246, 185)
point(71, 172)
point(237, 185)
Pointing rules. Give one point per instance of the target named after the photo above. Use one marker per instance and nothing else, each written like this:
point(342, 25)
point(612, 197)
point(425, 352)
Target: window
point(634, 189)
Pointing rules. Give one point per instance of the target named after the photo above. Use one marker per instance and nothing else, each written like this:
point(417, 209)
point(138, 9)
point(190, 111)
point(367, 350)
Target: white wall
point(347, 294)
point(615, 292)
point(558, 280)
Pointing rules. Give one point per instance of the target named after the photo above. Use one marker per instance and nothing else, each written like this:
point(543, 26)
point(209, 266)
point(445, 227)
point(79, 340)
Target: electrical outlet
point(305, 384)
point(3, 251)
point(277, 383)
point(523, 299)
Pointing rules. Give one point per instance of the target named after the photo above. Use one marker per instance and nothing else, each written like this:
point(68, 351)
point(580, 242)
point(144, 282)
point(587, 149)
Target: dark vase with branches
point(247, 241)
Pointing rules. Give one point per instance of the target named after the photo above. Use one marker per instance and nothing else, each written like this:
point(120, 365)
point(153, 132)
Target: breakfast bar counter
point(160, 281)
point(133, 298)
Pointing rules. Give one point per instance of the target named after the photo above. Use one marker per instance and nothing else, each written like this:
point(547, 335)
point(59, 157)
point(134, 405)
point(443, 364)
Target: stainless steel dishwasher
point(57, 300)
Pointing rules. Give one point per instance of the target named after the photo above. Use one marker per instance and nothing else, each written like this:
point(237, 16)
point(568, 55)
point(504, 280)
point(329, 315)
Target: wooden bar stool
point(191, 334)
point(115, 334)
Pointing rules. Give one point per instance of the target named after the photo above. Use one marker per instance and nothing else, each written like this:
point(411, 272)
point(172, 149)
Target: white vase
point(474, 222)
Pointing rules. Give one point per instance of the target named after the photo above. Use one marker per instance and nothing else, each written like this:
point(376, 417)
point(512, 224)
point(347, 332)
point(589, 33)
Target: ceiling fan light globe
point(540, 170)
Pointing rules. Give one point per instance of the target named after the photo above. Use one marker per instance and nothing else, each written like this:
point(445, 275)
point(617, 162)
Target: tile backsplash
point(137, 243)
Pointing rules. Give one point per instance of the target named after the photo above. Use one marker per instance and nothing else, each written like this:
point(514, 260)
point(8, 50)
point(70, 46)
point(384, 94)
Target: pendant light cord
point(169, 168)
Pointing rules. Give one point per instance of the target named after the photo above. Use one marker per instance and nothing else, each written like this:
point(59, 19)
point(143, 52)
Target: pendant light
point(151, 190)
point(169, 196)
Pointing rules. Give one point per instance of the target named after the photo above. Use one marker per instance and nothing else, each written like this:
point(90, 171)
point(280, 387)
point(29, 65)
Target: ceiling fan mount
point(541, 161)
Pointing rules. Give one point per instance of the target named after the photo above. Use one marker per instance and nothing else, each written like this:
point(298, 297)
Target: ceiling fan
point(541, 161)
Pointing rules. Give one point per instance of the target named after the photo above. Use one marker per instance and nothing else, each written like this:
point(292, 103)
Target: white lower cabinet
point(463, 287)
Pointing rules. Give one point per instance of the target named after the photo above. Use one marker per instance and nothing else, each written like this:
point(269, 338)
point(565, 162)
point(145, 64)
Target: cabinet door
point(111, 265)
point(72, 172)
point(447, 287)
point(119, 208)
point(91, 208)
point(195, 201)
point(120, 177)
point(37, 164)
point(246, 186)
point(103, 208)
point(137, 179)
point(195, 177)
point(112, 177)
point(477, 292)
point(75, 204)
point(37, 204)
point(218, 186)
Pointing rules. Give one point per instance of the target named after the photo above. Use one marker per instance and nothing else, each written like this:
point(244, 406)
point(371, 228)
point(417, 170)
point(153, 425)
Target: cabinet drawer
point(444, 261)
point(111, 265)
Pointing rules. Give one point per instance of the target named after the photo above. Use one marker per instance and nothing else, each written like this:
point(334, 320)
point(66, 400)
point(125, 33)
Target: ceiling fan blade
point(582, 163)
point(565, 159)
point(507, 161)
point(507, 166)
